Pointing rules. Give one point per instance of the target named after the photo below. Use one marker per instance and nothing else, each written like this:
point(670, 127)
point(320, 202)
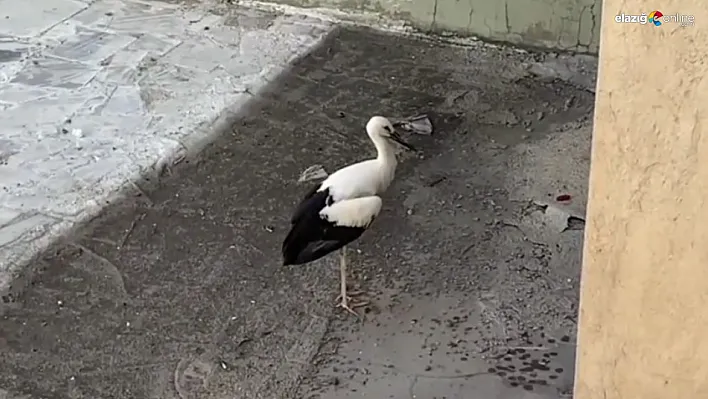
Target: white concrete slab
point(19, 19)
point(94, 94)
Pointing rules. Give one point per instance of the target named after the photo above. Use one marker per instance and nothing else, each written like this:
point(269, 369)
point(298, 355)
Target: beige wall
point(644, 296)
point(557, 24)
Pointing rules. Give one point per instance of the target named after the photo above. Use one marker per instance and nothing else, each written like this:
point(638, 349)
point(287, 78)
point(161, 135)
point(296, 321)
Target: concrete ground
point(472, 268)
point(96, 93)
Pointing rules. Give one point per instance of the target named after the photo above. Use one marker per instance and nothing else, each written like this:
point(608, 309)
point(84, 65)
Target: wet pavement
point(472, 267)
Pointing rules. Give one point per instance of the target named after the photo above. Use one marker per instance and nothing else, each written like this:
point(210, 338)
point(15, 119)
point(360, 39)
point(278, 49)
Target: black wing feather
point(308, 202)
point(312, 237)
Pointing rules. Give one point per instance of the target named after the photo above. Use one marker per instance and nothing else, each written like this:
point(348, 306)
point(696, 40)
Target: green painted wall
point(557, 24)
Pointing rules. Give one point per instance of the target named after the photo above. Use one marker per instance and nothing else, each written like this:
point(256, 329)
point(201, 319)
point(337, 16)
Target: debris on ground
point(314, 172)
point(419, 124)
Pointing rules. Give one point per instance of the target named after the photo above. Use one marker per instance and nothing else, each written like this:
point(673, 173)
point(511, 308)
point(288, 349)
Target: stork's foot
point(350, 294)
point(348, 305)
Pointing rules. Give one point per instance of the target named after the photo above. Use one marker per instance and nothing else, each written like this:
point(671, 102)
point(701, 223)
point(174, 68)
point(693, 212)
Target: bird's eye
point(387, 128)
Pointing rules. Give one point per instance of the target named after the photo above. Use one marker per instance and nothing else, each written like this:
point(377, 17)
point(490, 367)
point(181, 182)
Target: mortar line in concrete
point(68, 60)
point(42, 33)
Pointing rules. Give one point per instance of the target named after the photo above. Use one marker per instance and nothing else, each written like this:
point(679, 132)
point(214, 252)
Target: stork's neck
point(386, 153)
point(387, 162)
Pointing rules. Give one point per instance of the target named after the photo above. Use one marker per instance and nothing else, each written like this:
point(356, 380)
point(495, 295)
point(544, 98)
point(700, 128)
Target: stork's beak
point(397, 138)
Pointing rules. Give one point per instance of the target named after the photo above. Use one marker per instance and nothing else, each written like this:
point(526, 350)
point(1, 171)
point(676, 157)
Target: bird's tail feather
point(294, 242)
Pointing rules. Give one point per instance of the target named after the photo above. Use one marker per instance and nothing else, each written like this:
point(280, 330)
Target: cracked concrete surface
point(473, 266)
point(96, 93)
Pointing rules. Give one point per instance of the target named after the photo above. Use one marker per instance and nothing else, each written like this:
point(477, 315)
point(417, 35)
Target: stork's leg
point(343, 278)
point(344, 304)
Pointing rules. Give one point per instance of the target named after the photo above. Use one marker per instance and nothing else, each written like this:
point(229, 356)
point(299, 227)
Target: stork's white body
point(363, 180)
point(357, 212)
point(371, 177)
point(355, 189)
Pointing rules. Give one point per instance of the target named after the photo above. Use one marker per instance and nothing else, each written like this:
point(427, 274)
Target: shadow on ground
point(179, 292)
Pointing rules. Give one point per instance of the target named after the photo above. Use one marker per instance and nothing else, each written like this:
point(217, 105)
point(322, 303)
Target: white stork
point(337, 211)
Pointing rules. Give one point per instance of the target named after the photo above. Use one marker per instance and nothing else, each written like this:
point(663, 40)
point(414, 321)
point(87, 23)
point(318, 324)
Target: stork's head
point(379, 126)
